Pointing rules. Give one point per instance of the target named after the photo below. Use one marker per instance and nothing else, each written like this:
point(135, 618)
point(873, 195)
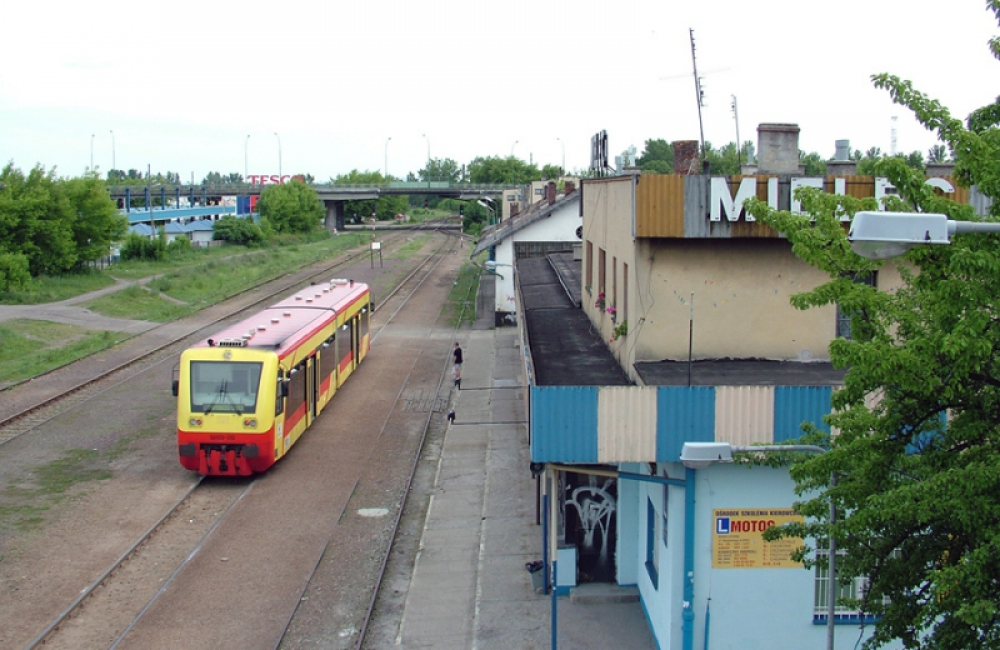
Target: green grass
point(53, 289)
point(462, 297)
point(410, 248)
point(29, 348)
point(50, 484)
point(137, 303)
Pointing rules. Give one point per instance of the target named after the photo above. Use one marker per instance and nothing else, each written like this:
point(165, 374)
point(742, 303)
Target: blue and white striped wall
point(626, 424)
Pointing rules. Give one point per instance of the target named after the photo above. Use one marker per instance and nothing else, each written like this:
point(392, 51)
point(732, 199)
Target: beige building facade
point(672, 267)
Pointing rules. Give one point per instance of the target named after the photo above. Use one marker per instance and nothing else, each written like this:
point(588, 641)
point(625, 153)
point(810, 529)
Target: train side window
point(279, 395)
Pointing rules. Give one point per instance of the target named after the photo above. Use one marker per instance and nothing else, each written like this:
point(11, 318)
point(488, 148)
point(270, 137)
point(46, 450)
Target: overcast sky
point(183, 83)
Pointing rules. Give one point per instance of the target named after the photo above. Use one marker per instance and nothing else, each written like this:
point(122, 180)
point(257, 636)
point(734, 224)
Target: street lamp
point(699, 455)
point(564, 155)
point(246, 168)
point(491, 211)
point(279, 155)
point(512, 147)
point(114, 165)
point(91, 152)
point(387, 157)
point(881, 235)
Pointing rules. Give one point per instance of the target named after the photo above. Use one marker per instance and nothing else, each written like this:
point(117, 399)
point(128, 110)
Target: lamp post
point(489, 208)
point(387, 157)
point(512, 147)
point(246, 167)
point(698, 455)
point(91, 152)
point(114, 165)
point(881, 235)
point(564, 155)
point(279, 155)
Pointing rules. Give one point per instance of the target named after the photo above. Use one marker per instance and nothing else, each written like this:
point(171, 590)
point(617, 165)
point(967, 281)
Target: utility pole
point(699, 94)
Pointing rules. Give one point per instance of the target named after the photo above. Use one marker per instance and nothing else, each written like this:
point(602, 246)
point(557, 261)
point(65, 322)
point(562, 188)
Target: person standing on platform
point(457, 370)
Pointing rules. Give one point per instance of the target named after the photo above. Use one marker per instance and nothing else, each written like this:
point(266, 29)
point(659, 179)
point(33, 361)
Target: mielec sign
point(722, 202)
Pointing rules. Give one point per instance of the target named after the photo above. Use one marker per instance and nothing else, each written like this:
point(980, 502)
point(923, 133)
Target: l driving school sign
point(738, 543)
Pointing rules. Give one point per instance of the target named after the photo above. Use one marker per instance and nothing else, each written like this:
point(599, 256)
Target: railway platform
point(469, 587)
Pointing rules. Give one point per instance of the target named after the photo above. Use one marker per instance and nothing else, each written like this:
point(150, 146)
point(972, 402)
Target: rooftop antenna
point(739, 143)
point(892, 138)
point(699, 93)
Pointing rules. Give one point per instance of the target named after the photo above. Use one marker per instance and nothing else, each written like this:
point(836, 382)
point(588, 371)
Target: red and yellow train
point(246, 395)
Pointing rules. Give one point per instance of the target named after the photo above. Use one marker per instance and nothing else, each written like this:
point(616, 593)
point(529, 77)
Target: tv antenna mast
point(892, 138)
point(699, 93)
point(739, 144)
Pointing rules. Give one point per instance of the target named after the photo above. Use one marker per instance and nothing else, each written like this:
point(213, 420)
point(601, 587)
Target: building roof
point(739, 372)
point(565, 349)
point(493, 235)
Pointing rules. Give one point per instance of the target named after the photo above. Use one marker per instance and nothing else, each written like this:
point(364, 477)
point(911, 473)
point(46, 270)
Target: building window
point(852, 590)
point(652, 545)
point(624, 312)
point(601, 270)
point(588, 271)
point(844, 318)
point(614, 281)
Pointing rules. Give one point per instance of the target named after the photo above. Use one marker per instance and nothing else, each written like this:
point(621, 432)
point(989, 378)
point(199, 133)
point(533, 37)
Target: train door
point(355, 340)
point(312, 386)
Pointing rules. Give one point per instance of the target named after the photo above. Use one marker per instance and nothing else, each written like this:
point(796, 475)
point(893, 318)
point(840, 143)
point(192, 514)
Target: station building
point(689, 300)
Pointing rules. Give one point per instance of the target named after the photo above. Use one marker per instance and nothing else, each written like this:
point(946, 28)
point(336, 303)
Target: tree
point(442, 170)
point(503, 171)
point(36, 220)
point(552, 172)
point(657, 157)
point(237, 230)
point(95, 221)
point(937, 154)
point(813, 163)
point(290, 208)
point(384, 207)
point(916, 463)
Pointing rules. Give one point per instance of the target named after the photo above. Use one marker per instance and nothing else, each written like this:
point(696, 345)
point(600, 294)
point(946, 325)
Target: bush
point(137, 247)
point(14, 275)
point(238, 231)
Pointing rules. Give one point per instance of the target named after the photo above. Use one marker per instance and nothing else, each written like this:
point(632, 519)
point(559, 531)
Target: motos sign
point(738, 542)
point(723, 202)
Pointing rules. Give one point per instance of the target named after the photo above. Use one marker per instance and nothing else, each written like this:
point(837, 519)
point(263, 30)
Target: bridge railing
point(248, 188)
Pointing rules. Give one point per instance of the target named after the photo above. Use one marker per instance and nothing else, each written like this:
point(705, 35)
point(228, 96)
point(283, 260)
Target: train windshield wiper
point(224, 395)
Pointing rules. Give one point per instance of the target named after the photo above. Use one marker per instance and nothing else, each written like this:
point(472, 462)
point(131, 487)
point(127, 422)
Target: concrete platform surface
point(469, 587)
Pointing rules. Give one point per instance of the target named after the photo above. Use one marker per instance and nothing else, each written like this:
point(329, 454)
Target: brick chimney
point(550, 192)
point(687, 160)
point(569, 188)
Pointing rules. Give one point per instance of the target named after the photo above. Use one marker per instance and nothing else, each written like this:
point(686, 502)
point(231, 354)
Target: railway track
point(106, 608)
point(68, 397)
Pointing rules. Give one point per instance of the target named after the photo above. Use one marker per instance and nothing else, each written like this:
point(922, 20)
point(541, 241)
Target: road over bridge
point(334, 197)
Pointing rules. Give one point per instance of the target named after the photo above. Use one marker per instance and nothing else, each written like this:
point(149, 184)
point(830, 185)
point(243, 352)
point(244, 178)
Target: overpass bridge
point(334, 197)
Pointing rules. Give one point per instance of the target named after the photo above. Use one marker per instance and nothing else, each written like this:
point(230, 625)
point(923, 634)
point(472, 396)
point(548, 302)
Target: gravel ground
point(321, 498)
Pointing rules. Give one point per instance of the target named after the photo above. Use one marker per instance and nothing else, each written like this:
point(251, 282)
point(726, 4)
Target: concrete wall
point(608, 224)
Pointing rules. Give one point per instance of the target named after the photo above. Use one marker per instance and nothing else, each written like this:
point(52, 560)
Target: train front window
point(224, 386)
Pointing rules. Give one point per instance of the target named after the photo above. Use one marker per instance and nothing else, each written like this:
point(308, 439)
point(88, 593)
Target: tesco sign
point(274, 179)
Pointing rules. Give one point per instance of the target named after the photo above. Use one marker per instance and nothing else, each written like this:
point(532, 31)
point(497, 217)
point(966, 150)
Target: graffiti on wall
point(591, 503)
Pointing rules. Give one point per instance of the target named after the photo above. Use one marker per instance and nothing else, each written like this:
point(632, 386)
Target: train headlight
point(250, 422)
point(195, 422)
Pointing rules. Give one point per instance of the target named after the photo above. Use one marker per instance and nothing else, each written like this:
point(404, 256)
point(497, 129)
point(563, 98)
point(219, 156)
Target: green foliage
point(236, 230)
point(552, 172)
point(503, 171)
point(438, 169)
point(917, 498)
point(29, 347)
point(14, 274)
point(657, 157)
point(291, 207)
point(140, 247)
point(384, 208)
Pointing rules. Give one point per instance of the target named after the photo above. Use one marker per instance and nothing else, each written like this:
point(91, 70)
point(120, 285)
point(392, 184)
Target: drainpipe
point(687, 616)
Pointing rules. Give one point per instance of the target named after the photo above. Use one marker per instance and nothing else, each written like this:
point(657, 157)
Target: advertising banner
point(737, 541)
